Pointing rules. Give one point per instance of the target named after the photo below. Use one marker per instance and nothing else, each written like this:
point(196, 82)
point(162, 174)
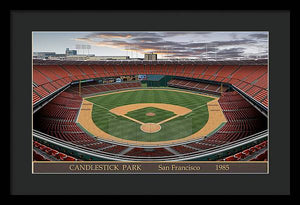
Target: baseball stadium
point(150, 110)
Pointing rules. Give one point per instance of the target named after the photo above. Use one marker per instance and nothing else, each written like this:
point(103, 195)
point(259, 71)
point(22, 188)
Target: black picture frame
point(23, 182)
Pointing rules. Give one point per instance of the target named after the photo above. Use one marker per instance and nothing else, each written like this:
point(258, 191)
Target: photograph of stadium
point(150, 97)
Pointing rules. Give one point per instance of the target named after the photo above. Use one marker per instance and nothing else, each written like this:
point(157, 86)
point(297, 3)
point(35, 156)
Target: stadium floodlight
point(77, 46)
point(83, 47)
point(206, 51)
point(215, 52)
point(88, 47)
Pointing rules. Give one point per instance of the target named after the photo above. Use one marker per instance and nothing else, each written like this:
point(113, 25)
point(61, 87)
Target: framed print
point(150, 102)
point(157, 102)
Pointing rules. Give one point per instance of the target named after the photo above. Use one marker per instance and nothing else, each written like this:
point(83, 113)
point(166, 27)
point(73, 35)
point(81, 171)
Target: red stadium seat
point(56, 76)
point(246, 152)
point(38, 157)
point(239, 155)
point(258, 147)
point(54, 153)
point(61, 156)
point(36, 144)
point(69, 158)
point(59, 115)
point(43, 147)
point(48, 150)
point(230, 158)
point(252, 150)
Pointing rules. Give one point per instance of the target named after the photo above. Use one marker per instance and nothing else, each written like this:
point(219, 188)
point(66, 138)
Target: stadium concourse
point(241, 88)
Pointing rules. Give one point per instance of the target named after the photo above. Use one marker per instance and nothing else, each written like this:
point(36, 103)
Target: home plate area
point(150, 115)
point(150, 127)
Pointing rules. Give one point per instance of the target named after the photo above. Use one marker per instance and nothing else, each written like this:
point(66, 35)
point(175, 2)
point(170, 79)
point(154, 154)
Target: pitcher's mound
point(150, 127)
point(150, 114)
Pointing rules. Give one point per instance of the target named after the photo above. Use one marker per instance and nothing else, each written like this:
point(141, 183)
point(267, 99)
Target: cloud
point(110, 35)
point(231, 53)
point(233, 42)
point(124, 35)
point(259, 35)
point(157, 42)
point(181, 33)
point(208, 49)
point(257, 56)
point(147, 39)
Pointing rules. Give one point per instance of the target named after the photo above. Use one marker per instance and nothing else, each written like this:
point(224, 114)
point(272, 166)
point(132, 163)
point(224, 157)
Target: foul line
point(105, 109)
point(195, 109)
point(143, 123)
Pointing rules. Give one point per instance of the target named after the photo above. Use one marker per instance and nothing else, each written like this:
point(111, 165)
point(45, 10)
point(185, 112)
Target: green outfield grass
point(124, 128)
point(141, 116)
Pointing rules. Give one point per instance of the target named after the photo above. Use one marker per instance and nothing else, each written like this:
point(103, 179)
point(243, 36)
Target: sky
point(200, 45)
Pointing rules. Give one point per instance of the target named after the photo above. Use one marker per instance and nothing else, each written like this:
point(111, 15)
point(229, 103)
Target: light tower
point(88, 47)
point(206, 51)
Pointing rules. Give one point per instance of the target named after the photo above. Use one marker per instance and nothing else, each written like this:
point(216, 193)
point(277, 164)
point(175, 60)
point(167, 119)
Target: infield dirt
point(215, 119)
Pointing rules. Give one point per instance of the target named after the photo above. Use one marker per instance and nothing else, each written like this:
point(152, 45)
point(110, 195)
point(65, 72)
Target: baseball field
point(150, 115)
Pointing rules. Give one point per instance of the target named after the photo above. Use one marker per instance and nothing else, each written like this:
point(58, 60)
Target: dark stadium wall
point(87, 157)
point(70, 152)
point(162, 82)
